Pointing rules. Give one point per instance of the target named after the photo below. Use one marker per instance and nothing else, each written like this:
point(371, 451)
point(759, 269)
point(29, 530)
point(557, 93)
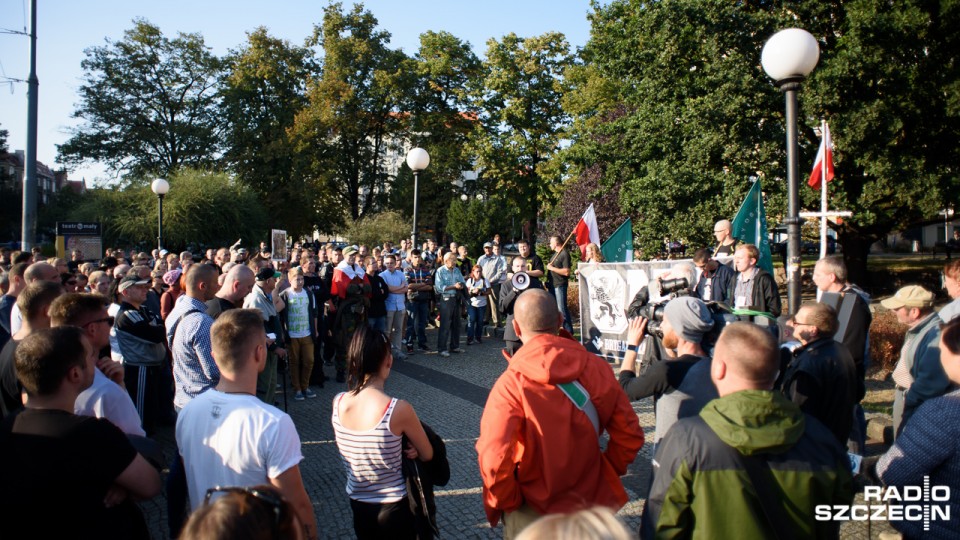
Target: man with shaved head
point(733, 470)
point(39, 271)
point(554, 395)
point(237, 284)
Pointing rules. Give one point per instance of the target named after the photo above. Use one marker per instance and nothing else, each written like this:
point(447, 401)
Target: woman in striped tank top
point(369, 426)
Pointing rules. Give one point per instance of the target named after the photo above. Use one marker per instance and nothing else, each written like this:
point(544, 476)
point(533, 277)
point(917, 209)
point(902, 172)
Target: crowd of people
point(97, 355)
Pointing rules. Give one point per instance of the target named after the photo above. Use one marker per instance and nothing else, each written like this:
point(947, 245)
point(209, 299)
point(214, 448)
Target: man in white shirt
point(107, 396)
point(228, 437)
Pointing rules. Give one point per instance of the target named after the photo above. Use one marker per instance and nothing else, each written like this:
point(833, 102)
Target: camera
point(654, 315)
point(676, 285)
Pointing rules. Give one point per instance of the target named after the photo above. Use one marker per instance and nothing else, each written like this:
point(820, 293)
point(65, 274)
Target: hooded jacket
point(701, 488)
point(537, 447)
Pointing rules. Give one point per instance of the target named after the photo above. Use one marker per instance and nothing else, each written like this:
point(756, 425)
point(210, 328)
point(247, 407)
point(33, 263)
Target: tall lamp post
point(417, 159)
point(160, 187)
point(788, 57)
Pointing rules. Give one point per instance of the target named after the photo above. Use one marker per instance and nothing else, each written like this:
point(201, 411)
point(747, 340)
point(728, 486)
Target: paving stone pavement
point(448, 394)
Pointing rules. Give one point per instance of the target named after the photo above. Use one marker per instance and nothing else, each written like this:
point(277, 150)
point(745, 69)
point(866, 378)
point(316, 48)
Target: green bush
point(378, 228)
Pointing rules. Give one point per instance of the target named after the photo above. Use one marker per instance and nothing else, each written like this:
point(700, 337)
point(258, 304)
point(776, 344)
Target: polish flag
point(824, 155)
point(587, 231)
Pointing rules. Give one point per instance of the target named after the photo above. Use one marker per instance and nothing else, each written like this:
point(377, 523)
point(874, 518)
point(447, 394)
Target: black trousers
point(143, 385)
point(387, 521)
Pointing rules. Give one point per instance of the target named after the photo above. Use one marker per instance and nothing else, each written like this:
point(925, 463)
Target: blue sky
point(67, 27)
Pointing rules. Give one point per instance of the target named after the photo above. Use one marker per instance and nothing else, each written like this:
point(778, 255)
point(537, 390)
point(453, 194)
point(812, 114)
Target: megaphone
point(521, 281)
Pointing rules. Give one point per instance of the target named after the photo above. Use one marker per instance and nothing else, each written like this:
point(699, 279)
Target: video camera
point(653, 312)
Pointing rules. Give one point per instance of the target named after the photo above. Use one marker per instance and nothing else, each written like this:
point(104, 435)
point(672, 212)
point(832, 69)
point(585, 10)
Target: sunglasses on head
point(273, 502)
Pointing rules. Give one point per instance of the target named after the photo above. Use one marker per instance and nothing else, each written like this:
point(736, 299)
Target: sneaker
point(444, 354)
point(479, 341)
point(309, 394)
point(469, 341)
point(409, 349)
point(298, 396)
point(458, 350)
point(424, 348)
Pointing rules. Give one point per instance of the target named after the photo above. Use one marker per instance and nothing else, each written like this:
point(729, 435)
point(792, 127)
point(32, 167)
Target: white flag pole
point(823, 191)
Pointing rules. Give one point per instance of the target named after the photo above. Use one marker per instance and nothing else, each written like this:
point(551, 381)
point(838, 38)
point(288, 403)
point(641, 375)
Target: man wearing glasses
point(726, 244)
point(106, 397)
point(820, 375)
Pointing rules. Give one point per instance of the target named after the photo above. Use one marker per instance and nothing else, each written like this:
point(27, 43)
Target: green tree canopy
point(264, 89)
point(149, 104)
point(522, 120)
point(200, 209)
point(352, 120)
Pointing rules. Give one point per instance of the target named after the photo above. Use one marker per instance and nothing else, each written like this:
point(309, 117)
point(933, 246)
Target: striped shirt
point(194, 370)
point(372, 458)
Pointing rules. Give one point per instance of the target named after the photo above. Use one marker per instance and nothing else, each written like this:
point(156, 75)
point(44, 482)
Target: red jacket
point(536, 447)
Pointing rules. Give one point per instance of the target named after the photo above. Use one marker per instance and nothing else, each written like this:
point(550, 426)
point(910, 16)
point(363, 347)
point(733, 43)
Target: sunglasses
point(108, 320)
point(273, 502)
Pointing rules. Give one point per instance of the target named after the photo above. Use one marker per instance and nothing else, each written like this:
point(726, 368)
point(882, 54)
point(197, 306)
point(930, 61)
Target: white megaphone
point(521, 281)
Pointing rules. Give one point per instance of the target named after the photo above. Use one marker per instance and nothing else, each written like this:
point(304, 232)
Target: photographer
point(680, 384)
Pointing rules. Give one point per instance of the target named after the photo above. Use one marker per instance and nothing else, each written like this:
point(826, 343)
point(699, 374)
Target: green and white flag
point(619, 247)
point(750, 225)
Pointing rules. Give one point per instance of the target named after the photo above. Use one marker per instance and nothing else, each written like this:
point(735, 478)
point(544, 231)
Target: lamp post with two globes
point(160, 187)
point(788, 57)
point(417, 159)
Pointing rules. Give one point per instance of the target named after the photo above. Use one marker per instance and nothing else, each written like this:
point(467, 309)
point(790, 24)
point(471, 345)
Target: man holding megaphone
point(518, 281)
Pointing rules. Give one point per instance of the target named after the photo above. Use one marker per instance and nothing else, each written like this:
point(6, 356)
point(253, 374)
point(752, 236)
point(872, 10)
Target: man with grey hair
point(726, 243)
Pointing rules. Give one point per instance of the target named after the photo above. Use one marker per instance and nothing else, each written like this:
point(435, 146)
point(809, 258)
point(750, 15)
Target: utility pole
point(28, 234)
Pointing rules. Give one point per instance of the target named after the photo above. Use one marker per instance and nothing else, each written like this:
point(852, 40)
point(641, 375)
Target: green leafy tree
point(375, 229)
point(523, 121)
point(149, 104)
point(687, 122)
point(442, 118)
point(201, 209)
point(263, 90)
point(11, 206)
point(352, 121)
point(470, 223)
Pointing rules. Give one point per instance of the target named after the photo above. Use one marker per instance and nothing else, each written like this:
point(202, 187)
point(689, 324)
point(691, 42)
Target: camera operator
point(680, 384)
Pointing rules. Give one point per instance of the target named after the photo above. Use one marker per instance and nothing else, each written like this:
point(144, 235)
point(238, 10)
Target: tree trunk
point(856, 248)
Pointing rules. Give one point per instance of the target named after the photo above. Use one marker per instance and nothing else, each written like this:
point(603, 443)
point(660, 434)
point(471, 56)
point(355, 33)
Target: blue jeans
point(475, 321)
point(418, 325)
point(560, 293)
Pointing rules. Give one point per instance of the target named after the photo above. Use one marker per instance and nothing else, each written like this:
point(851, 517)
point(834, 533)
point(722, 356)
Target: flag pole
point(555, 253)
point(823, 191)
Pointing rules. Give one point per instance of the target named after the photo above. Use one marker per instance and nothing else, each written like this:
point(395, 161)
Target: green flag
point(619, 247)
point(750, 225)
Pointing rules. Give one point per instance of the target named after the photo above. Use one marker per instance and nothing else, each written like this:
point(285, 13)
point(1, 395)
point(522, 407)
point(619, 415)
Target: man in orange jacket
point(539, 450)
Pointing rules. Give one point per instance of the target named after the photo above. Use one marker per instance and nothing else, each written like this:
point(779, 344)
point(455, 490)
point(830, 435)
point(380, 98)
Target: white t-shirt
point(16, 319)
point(478, 301)
point(106, 399)
point(298, 314)
point(234, 440)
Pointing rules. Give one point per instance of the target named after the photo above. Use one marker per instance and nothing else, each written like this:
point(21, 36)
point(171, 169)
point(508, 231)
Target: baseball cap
point(349, 250)
point(909, 296)
point(487, 245)
point(130, 281)
point(266, 273)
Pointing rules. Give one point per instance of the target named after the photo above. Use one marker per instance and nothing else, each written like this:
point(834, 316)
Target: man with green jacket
point(752, 464)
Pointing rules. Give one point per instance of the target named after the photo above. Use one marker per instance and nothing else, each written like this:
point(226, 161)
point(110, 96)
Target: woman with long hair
point(593, 256)
point(478, 289)
point(369, 427)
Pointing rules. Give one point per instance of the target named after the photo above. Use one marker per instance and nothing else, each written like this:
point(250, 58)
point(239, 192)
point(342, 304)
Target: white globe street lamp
point(160, 187)
point(788, 57)
point(417, 159)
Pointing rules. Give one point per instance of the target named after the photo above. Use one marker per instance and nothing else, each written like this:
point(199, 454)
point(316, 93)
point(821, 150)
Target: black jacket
point(765, 295)
point(720, 286)
point(420, 478)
